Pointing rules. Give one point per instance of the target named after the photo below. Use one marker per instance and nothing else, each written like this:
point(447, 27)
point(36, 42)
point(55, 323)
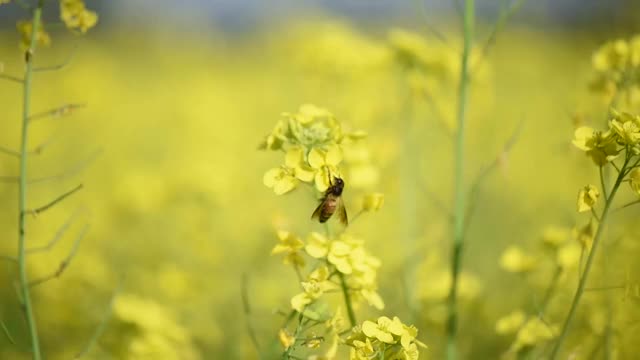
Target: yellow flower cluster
point(312, 141)
point(413, 53)
point(528, 332)
point(604, 147)
point(149, 331)
point(587, 198)
point(344, 256)
point(73, 13)
point(617, 67)
point(567, 244)
point(515, 260)
point(384, 339)
point(25, 29)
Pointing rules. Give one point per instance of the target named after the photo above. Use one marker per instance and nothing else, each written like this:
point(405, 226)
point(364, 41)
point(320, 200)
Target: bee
point(332, 202)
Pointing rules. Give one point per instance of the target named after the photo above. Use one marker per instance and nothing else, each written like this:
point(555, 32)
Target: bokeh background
point(179, 95)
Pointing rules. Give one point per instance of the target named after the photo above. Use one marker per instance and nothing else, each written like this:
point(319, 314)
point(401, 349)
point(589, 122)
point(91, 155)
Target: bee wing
point(317, 211)
point(342, 213)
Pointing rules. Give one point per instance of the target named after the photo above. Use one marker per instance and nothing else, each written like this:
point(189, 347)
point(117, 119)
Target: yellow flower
point(286, 339)
point(584, 235)
point(411, 352)
point(510, 323)
point(317, 245)
point(587, 198)
point(276, 138)
point(308, 113)
point(312, 127)
point(373, 298)
point(294, 159)
point(555, 236)
point(515, 260)
point(362, 350)
point(383, 329)
point(600, 147)
point(4, 1)
point(25, 29)
point(314, 343)
point(568, 255)
point(533, 332)
point(316, 285)
point(76, 16)
point(412, 52)
point(289, 244)
point(634, 180)
point(337, 322)
point(612, 56)
point(325, 163)
point(627, 127)
point(281, 180)
point(340, 254)
point(373, 202)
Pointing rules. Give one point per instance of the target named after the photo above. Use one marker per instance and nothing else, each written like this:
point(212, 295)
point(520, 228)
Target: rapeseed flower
point(587, 198)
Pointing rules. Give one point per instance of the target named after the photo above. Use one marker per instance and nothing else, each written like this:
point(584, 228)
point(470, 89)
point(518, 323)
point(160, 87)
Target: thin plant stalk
point(347, 300)
point(459, 195)
point(345, 288)
point(22, 192)
point(585, 274)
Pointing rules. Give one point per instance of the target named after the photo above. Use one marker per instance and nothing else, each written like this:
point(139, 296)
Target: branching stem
point(585, 274)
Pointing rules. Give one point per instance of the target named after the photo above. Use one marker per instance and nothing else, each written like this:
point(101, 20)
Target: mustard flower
point(312, 141)
point(413, 53)
point(350, 258)
point(25, 28)
point(600, 147)
point(75, 15)
point(568, 255)
point(514, 260)
point(362, 350)
point(281, 179)
point(555, 236)
point(439, 285)
point(316, 285)
point(373, 339)
point(533, 332)
point(294, 159)
point(286, 338)
point(584, 235)
point(384, 329)
point(587, 198)
point(611, 57)
point(511, 323)
point(634, 180)
point(313, 126)
point(275, 139)
point(290, 245)
point(325, 163)
point(627, 127)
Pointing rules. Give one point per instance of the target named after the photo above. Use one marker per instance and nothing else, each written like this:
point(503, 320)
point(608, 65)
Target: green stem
point(459, 196)
point(347, 300)
point(585, 274)
point(22, 192)
point(345, 289)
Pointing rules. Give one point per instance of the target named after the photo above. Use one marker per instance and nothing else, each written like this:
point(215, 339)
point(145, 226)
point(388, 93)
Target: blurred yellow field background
point(167, 151)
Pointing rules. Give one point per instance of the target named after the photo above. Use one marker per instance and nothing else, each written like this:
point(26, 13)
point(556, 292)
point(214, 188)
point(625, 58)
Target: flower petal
point(316, 158)
point(271, 176)
point(334, 155)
